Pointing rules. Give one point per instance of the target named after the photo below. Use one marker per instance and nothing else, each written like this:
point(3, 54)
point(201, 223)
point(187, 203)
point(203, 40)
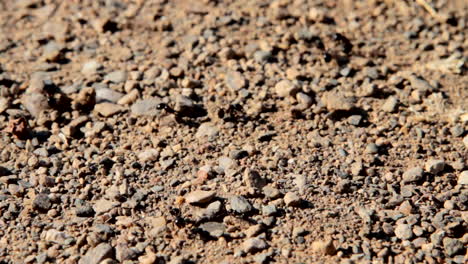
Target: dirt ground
point(211, 131)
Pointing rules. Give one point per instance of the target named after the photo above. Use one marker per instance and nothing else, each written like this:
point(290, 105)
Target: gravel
point(233, 132)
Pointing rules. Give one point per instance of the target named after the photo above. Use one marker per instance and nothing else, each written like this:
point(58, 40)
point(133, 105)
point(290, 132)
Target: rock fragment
point(420, 84)
point(271, 192)
point(253, 179)
point(463, 178)
point(52, 52)
point(107, 95)
point(108, 109)
point(239, 204)
point(200, 197)
point(235, 80)
point(390, 104)
point(35, 103)
point(207, 130)
point(116, 76)
point(148, 107)
point(103, 206)
point(286, 88)
point(337, 102)
point(85, 99)
point(84, 211)
point(253, 245)
point(324, 247)
point(452, 246)
point(413, 175)
point(211, 211)
point(4, 104)
point(435, 166)
point(72, 128)
point(215, 229)
point(292, 199)
point(97, 254)
point(403, 231)
point(91, 67)
point(128, 98)
point(55, 236)
point(42, 203)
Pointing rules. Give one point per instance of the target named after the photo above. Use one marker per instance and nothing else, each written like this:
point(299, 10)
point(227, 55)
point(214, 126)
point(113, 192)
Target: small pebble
point(271, 192)
point(97, 254)
point(413, 175)
point(286, 88)
point(42, 203)
point(372, 148)
point(403, 231)
point(463, 178)
point(435, 166)
point(390, 104)
point(239, 204)
point(199, 197)
point(253, 245)
point(292, 199)
point(324, 247)
point(235, 81)
point(116, 77)
point(215, 229)
point(108, 109)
